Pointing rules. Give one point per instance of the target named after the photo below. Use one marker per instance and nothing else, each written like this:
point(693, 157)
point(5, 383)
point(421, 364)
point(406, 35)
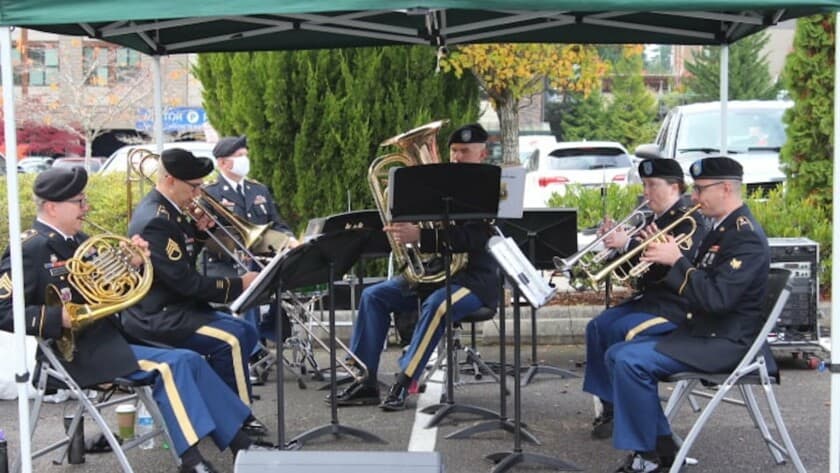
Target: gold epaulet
point(27, 235)
point(161, 211)
point(743, 222)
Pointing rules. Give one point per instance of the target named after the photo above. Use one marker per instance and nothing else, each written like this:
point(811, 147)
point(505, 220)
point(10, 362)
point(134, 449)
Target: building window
point(39, 62)
point(108, 65)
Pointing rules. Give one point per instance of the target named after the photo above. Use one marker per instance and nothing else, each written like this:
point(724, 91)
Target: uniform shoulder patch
point(743, 222)
point(28, 235)
point(162, 212)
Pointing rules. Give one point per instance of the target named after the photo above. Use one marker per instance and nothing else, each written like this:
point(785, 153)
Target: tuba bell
point(417, 147)
point(102, 272)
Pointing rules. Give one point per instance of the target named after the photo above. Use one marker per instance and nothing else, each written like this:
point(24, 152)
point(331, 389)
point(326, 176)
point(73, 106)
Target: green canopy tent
point(161, 27)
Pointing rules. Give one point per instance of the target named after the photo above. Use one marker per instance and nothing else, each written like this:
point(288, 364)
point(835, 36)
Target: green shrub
point(778, 214)
point(106, 194)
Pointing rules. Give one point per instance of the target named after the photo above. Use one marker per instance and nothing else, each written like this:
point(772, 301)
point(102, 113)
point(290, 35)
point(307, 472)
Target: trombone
point(566, 264)
point(621, 273)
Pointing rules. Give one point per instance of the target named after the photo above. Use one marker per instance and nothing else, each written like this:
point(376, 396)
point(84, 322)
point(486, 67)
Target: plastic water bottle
point(145, 424)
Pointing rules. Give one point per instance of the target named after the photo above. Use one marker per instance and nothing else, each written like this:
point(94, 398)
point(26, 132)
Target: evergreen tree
point(809, 78)
point(582, 117)
point(314, 119)
point(749, 74)
point(631, 116)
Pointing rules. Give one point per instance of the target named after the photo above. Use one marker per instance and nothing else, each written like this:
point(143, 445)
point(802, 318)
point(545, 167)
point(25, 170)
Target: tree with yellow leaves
point(509, 73)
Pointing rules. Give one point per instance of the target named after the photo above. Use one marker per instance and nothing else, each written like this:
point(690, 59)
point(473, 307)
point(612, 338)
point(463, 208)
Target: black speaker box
point(801, 257)
point(331, 462)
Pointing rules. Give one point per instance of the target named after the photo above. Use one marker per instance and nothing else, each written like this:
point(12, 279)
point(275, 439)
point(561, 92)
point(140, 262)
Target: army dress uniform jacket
point(653, 295)
point(480, 275)
point(725, 288)
point(102, 353)
point(177, 303)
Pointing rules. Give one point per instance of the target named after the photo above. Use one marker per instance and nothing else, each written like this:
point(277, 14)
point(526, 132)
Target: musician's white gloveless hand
point(665, 252)
point(293, 243)
point(403, 232)
point(248, 278)
point(617, 239)
point(141, 244)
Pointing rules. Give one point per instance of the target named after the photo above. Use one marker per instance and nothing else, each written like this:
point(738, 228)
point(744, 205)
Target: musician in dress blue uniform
point(474, 286)
point(253, 202)
point(725, 285)
point(194, 401)
point(655, 309)
point(176, 311)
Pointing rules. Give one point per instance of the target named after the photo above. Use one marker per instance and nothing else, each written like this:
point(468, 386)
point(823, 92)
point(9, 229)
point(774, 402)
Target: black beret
point(184, 165)
point(717, 168)
point(228, 145)
point(472, 133)
point(661, 168)
point(60, 184)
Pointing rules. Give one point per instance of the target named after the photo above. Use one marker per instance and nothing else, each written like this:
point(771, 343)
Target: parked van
point(118, 161)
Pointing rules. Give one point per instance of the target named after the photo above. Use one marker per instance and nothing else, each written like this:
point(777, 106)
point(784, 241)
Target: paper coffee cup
point(126, 414)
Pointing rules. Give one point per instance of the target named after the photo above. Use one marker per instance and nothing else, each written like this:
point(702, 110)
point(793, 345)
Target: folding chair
point(52, 374)
point(751, 370)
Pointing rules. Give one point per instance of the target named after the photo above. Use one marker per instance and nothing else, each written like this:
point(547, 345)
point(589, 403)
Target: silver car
point(755, 134)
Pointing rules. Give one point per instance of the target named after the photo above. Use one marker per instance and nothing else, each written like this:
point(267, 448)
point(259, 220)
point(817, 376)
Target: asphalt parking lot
point(556, 411)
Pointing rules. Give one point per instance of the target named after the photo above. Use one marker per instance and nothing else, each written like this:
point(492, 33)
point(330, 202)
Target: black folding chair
point(751, 370)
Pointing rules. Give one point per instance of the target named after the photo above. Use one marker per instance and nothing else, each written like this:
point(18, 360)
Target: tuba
point(101, 271)
point(417, 147)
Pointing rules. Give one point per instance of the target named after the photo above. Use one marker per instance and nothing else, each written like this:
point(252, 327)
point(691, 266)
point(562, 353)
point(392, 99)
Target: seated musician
point(654, 309)
point(724, 284)
point(474, 286)
point(176, 312)
point(252, 201)
point(194, 402)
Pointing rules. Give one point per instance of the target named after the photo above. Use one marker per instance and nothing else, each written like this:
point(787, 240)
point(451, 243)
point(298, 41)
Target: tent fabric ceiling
point(166, 27)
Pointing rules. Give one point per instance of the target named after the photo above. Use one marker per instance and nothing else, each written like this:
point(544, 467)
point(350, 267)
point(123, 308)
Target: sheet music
point(258, 284)
point(512, 188)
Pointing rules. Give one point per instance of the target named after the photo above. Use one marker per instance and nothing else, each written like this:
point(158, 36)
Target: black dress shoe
point(602, 426)
point(202, 467)
point(395, 401)
point(253, 427)
point(357, 394)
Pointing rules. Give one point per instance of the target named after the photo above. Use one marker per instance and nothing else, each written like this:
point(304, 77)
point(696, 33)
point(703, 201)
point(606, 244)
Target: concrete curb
point(556, 324)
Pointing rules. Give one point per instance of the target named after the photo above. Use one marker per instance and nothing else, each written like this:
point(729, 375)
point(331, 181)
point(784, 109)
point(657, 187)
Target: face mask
point(241, 166)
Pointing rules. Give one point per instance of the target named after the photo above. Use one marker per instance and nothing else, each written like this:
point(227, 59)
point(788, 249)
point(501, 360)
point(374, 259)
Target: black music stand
point(436, 192)
point(317, 261)
point(506, 460)
point(376, 246)
point(502, 422)
point(543, 234)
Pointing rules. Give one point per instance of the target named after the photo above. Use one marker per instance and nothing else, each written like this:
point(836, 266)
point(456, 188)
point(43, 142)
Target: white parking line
point(423, 439)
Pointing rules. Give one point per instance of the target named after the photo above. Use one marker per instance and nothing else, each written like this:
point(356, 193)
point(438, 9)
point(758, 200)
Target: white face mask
point(241, 166)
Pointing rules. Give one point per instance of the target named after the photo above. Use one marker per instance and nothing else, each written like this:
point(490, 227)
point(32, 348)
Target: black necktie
point(71, 242)
point(240, 191)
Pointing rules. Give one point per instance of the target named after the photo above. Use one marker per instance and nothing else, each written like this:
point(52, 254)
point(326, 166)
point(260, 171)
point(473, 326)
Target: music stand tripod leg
point(334, 427)
point(537, 368)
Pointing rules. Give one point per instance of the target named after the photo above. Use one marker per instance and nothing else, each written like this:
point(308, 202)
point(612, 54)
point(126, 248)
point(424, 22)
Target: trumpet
point(585, 261)
point(616, 267)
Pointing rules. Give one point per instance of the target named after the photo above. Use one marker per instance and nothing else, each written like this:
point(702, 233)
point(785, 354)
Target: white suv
point(755, 134)
point(118, 161)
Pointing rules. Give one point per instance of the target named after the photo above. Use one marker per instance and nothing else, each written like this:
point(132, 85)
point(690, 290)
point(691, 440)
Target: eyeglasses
point(193, 185)
point(81, 201)
point(699, 189)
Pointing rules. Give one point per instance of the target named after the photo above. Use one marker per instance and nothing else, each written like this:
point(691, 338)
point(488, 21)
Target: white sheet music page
point(512, 190)
point(258, 283)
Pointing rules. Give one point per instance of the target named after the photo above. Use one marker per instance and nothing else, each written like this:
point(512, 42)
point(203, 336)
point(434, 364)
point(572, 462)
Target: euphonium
point(102, 272)
point(418, 147)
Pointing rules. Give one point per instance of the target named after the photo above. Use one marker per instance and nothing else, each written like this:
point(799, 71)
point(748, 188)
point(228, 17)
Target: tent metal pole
point(834, 437)
point(21, 373)
point(157, 127)
point(724, 96)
